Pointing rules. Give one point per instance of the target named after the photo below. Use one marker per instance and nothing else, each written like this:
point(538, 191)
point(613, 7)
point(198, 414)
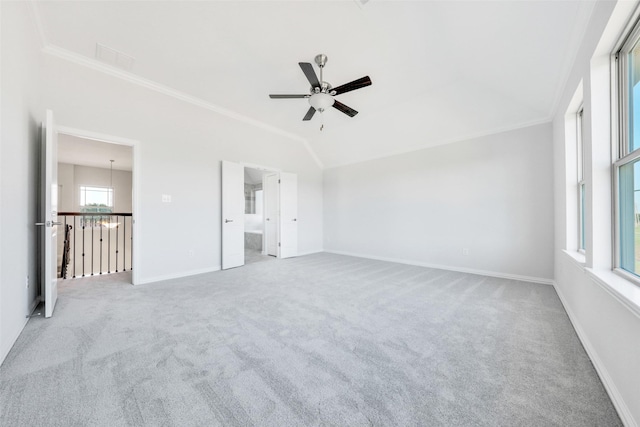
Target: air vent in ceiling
point(114, 57)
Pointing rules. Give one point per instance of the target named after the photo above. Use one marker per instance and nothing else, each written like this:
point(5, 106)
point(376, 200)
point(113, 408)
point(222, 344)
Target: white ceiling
point(97, 154)
point(442, 70)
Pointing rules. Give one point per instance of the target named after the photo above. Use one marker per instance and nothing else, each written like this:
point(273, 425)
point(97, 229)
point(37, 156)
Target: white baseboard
point(532, 279)
point(607, 381)
point(178, 275)
point(315, 251)
point(6, 348)
point(34, 304)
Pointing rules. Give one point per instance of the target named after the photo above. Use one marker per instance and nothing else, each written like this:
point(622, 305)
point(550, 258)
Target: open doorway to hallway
point(95, 207)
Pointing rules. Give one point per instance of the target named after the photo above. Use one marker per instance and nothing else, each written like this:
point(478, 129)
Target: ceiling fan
point(322, 94)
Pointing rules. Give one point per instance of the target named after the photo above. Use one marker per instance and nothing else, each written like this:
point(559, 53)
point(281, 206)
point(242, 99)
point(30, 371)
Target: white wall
point(180, 150)
point(20, 135)
point(607, 323)
point(492, 195)
point(72, 177)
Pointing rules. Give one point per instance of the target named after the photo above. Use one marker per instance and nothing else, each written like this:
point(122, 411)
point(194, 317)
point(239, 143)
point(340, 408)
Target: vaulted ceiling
point(442, 71)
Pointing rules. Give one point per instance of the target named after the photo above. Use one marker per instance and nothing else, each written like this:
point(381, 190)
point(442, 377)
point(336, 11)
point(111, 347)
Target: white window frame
point(581, 181)
point(621, 151)
point(108, 190)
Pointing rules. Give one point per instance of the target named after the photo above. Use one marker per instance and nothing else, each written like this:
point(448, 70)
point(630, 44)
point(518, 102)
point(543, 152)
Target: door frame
point(265, 170)
point(265, 245)
point(135, 184)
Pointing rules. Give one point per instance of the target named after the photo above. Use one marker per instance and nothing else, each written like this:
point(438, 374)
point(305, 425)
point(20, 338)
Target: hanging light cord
point(111, 181)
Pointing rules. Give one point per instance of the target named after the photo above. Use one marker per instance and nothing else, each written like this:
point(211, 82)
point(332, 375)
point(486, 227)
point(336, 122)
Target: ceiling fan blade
point(309, 114)
point(288, 96)
point(356, 84)
point(347, 110)
point(307, 69)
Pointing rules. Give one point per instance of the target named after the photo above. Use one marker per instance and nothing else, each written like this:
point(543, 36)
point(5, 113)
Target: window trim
point(581, 182)
point(109, 190)
point(621, 152)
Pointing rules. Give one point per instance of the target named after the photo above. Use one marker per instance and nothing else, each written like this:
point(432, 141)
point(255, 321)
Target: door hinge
point(278, 244)
point(278, 181)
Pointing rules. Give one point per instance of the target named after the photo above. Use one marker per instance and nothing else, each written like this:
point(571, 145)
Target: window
point(627, 164)
point(581, 183)
point(96, 199)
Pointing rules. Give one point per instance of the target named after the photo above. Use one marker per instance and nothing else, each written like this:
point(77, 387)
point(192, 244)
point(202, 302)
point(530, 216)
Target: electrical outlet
point(465, 251)
point(192, 253)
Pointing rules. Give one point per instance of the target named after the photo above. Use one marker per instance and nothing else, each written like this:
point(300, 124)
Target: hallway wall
point(72, 177)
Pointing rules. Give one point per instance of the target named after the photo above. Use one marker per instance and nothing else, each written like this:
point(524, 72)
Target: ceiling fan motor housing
point(321, 60)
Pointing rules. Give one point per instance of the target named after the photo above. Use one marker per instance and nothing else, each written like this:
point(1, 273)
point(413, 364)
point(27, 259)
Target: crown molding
point(67, 55)
point(42, 34)
point(95, 65)
point(577, 36)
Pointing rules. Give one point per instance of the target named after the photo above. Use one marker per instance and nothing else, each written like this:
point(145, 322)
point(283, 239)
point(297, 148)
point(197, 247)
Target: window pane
point(96, 197)
point(629, 182)
point(580, 146)
point(582, 208)
point(634, 98)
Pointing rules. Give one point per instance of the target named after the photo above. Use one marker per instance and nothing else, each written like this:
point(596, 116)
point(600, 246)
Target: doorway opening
point(255, 216)
point(95, 207)
point(243, 185)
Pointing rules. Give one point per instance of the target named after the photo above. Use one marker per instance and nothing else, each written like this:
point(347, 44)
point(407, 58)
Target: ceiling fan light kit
point(321, 101)
point(321, 95)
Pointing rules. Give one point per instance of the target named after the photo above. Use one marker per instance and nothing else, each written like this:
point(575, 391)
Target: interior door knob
point(228, 220)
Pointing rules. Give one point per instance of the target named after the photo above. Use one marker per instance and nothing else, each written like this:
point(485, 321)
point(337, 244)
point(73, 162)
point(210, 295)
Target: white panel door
point(288, 215)
point(49, 214)
point(271, 214)
point(232, 215)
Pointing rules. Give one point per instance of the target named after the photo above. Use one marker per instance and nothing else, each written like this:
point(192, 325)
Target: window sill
point(577, 257)
point(626, 292)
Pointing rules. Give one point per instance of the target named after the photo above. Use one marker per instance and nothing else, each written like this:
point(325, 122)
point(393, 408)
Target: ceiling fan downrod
point(321, 60)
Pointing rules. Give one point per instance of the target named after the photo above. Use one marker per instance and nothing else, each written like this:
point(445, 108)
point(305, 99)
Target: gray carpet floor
point(317, 340)
point(253, 255)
